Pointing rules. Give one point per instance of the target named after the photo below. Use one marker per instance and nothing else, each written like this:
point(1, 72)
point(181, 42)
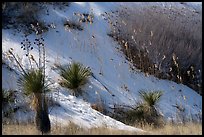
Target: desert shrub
point(74, 75)
point(8, 99)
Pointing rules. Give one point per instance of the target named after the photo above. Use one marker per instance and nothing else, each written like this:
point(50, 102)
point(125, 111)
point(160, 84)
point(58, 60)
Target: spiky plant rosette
point(151, 98)
point(74, 75)
point(146, 110)
point(33, 82)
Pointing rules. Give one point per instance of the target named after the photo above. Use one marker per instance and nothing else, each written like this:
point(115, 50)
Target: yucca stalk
point(74, 75)
point(41, 118)
point(32, 81)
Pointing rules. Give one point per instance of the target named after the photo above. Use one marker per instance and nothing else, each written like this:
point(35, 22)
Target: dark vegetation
point(73, 25)
point(20, 15)
point(11, 104)
point(145, 112)
point(162, 41)
point(85, 17)
point(8, 98)
point(24, 16)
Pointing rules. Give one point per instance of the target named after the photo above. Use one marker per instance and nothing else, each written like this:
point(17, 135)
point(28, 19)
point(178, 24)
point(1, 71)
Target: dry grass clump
point(97, 107)
point(14, 129)
point(173, 129)
point(72, 25)
point(73, 129)
point(188, 129)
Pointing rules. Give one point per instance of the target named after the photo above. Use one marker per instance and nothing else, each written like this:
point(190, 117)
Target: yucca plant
point(151, 98)
point(74, 75)
point(32, 82)
point(146, 111)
